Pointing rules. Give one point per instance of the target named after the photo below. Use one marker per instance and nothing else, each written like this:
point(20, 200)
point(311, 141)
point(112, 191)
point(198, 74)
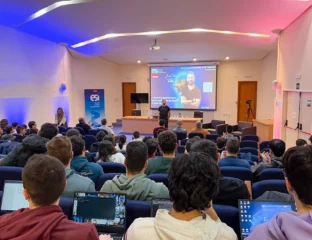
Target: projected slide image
point(184, 87)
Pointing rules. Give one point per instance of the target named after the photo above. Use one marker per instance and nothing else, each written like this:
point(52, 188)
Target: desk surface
point(155, 119)
point(264, 121)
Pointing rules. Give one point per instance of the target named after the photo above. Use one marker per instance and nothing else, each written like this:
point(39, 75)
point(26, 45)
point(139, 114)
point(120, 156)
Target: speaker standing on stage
point(60, 118)
point(164, 112)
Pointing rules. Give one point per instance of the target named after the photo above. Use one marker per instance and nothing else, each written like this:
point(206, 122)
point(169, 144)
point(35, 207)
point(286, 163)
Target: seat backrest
point(242, 125)
point(183, 142)
point(137, 209)
point(237, 172)
point(212, 137)
point(62, 129)
point(181, 135)
point(92, 132)
point(228, 215)
point(249, 143)
point(112, 167)
point(250, 137)
point(271, 173)
point(191, 135)
point(82, 132)
point(264, 144)
point(253, 151)
point(89, 140)
point(215, 123)
point(67, 204)
point(10, 173)
point(268, 185)
point(160, 177)
point(181, 149)
point(103, 178)
point(198, 114)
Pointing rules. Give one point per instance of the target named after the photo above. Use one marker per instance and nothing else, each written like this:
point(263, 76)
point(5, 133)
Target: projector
point(155, 47)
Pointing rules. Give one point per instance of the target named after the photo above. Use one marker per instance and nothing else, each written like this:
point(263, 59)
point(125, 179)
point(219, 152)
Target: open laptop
point(255, 212)
point(160, 203)
point(13, 198)
point(105, 210)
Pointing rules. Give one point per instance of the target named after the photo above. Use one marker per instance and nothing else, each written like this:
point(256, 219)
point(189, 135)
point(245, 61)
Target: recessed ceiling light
point(194, 59)
point(139, 61)
point(227, 58)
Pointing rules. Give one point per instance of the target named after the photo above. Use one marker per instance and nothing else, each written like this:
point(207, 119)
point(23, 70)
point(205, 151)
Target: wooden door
point(247, 91)
point(292, 117)
point(127, 89)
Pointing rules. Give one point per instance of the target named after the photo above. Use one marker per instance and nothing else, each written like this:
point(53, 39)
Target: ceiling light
point(227, 32)
point(51, 8)
point(139, 61)
point(194, 59)
point(227, 58)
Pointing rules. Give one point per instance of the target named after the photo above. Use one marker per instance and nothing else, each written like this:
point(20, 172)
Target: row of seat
point(92, 132)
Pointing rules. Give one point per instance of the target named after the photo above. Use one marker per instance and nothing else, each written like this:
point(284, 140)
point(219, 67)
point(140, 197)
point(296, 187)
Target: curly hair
point(193, 181)
point(167, 141)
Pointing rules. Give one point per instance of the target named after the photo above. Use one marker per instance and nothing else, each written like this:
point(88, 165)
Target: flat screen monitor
point(139, 97)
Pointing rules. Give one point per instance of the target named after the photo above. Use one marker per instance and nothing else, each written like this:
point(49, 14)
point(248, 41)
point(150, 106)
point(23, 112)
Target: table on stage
point(264, 129)
point(145, 124)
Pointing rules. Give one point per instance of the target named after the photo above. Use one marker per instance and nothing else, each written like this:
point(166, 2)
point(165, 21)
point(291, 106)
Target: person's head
point(4, 123)
point(78, 145)
point(106, 149)
point(297, 163)
point(122, 141)
point(167, 141)
point(21, 130)
point(232, 145)
point(146, 138)
point(221, 142)
point(193, 181)
point(81, 120)
point(60, 112)
point(60, 147)
point(136, 135)
point(44, 180)
point(32, 125)
point(152, 146)
point(301, 142)
point(136, 157)
point(8, 130)
point(190, 78)
point(110, 138)
point(104, 121)
point(164, 102)
point(33, 131)
point(199, 125)
point(48, 130)
point(100, 136)
point(15, 125)
point(73, 132)
point(207, 147)
point(229, 129)
point(190, 142)
point(162, 122)
point(179, 123)
point(277, 147)
point(24, 126)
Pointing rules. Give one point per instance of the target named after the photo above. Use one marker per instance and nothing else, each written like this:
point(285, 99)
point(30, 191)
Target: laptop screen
point(253, 213)
point(160, 203)
point(106, 211)
point(13, 198)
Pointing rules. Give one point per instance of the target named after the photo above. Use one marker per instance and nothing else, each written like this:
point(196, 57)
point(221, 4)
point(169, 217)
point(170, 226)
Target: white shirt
point(124, 147)
point(117, 157)
point(108, 129)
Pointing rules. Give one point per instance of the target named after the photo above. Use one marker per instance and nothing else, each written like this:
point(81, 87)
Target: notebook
point(13, 198)
point(105, 210)
point(160, 203)
point(254, 212)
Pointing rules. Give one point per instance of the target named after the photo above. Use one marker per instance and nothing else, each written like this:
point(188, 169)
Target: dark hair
point(78, 145)
point(207, 147)
point(81, 120)
point(310, 139)
point(136, 134)
point(8, 129)
point(106, 149)
point(162, 122)
point(48, 130)
point(190, 141)
point(146, 138)
point(136, 156)
point(109, 138)
point(167, 141)
point(33, 131)
point(15, 124)
point(100, 136)
point(60, 148)
point(122, 141)
point(229, 129)
point(297, 162)
point(73, 132)
point(193, 181)
point(152, 146)
point(4, 123)
point(278, 147)
point(301, 142)
point(232, 145)
point(19, 129)
point(24, 126)
point(104, 121)
point(221, 142)
point(44, 179)
point(31, 124)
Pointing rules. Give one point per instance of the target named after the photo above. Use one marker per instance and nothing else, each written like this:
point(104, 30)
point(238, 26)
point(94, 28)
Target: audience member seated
point(229, 190)
point(136, 136)
point(152, 147)
point(121, 146)
point(292, 225)
point(146, 138)
point(190, 142)
point(229, 157)
point(105, 127)
point(275, 196)
point(14, 126)
point(199, 128)
point(228, 133)
point(80, 163)
point(33, 131)
point(162, 123)
point(193, 182)
point(31, 125)
point(99, 138)
point(21, 131)
point(44, 181)
point(61, 148)
point(32, 144)
point(272, 159)
point(135, 184)
point(221, 144)
point(179, 128)
point(167, 141)
point(301, 142)
point(4, 123)
point(8, 134)
point(82, 124)
point(1, 132)
point(108, 153)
